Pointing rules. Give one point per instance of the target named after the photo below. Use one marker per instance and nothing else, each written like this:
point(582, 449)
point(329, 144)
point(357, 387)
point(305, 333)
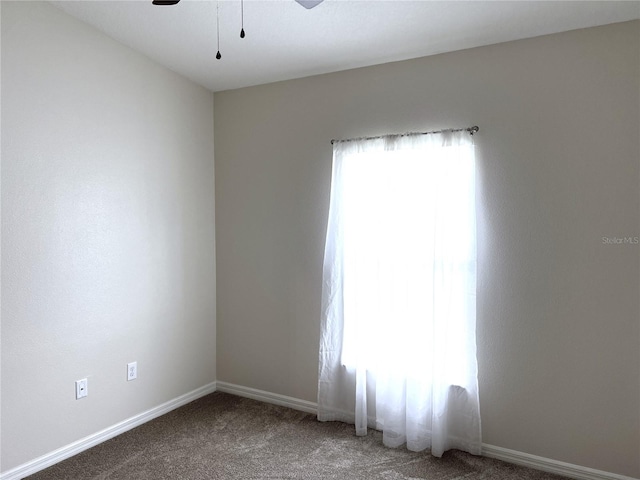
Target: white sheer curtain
point(398, 339)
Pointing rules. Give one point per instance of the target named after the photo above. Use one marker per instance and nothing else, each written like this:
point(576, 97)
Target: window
point(399, 291)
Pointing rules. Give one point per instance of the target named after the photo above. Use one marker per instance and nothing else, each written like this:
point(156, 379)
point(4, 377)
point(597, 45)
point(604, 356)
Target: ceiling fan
point(308, 4)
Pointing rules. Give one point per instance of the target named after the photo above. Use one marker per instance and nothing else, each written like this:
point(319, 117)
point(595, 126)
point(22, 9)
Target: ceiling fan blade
point(308, 4)
point(165, 2)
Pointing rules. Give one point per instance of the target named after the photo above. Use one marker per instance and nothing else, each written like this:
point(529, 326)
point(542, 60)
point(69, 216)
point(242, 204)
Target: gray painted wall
point(558, 158)
point(107, 232)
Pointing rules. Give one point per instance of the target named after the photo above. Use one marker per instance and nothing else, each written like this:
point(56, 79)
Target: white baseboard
point(549, 465)
point(268, 397)
point(74, 448)
point(491, 451)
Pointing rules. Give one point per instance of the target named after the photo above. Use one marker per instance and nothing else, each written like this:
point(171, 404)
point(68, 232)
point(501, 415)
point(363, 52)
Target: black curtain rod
point(471, 131)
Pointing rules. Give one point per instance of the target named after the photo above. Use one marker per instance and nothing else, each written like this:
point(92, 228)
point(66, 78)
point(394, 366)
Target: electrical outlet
point(132, 371)
point(82, 388)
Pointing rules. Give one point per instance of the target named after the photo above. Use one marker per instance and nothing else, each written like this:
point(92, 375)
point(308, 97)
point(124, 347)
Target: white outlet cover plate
point(132, 371)
point(82, 388)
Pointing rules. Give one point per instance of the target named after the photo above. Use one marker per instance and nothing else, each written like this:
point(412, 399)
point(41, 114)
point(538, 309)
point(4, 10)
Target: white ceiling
point(284, 40)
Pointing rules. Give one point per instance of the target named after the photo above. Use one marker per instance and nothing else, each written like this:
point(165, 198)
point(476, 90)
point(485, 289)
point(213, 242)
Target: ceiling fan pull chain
point(241, 18)
point(218, 56)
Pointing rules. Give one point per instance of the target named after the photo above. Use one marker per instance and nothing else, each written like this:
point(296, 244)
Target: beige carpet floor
point(222, 436)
